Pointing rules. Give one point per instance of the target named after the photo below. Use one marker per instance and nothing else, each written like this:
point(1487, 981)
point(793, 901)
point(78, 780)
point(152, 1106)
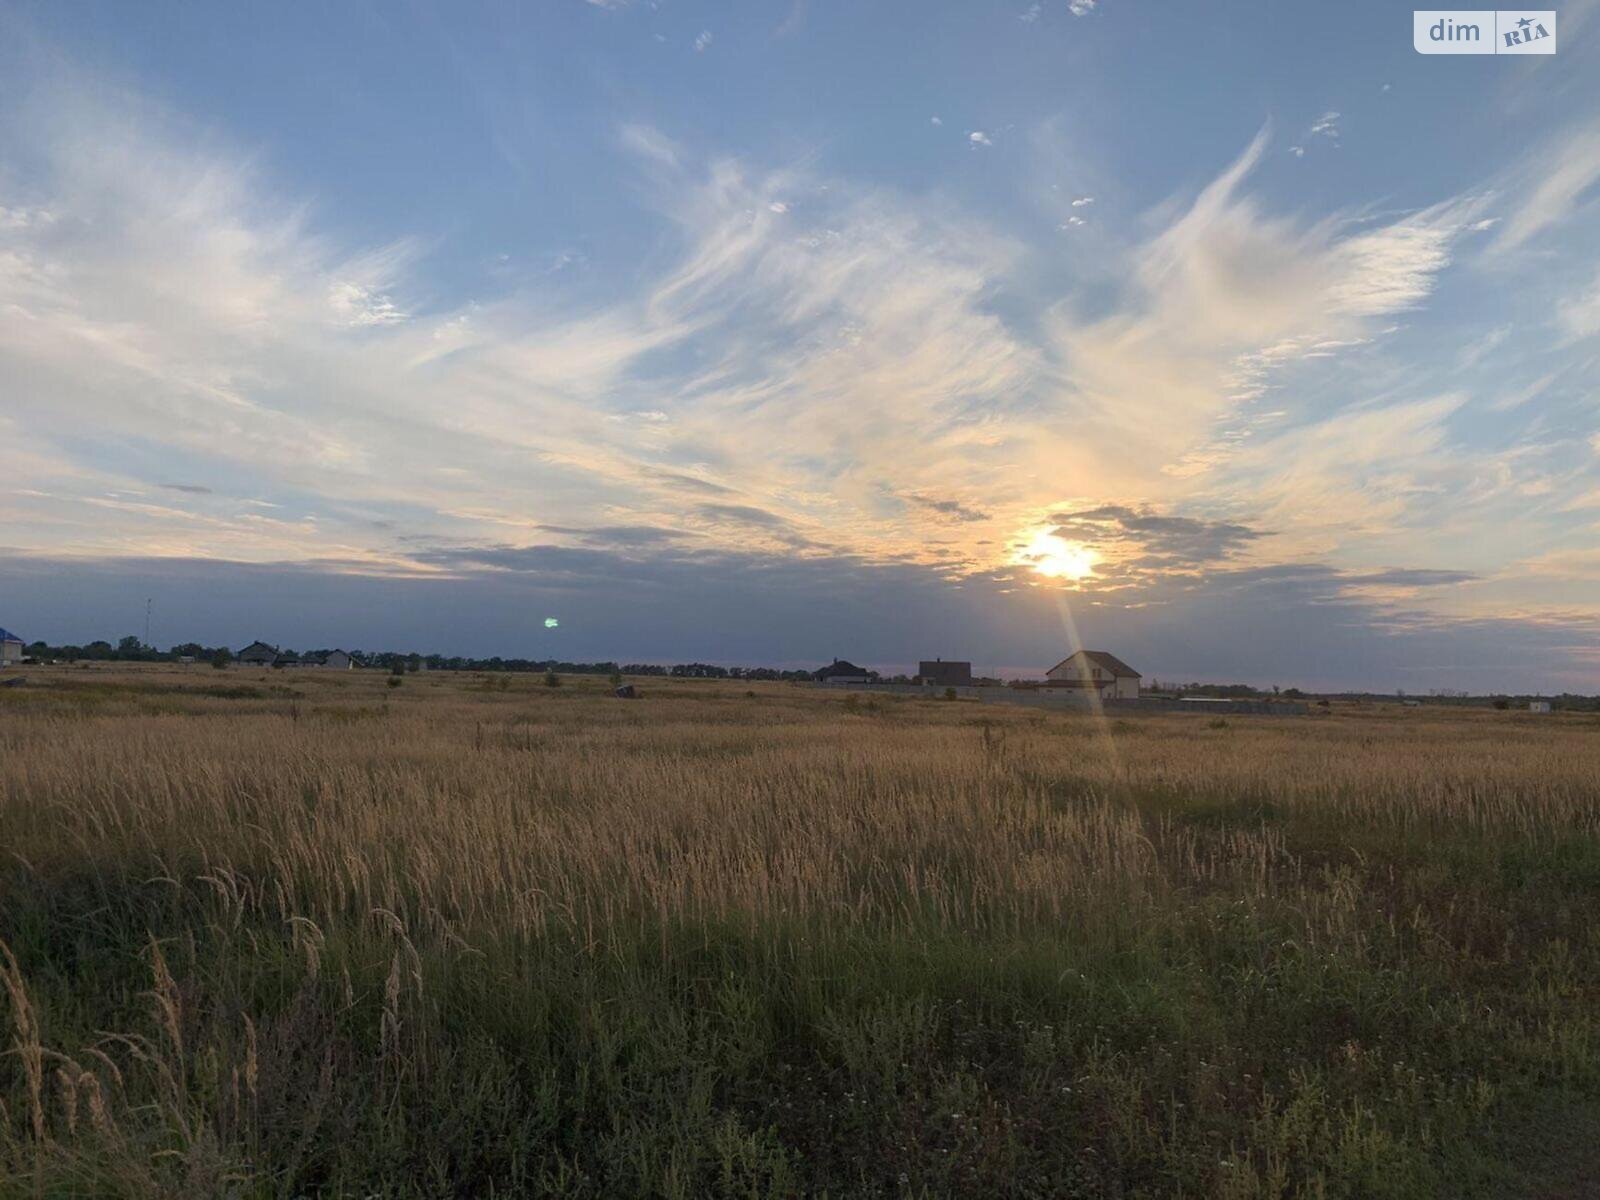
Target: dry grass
point(284, 934)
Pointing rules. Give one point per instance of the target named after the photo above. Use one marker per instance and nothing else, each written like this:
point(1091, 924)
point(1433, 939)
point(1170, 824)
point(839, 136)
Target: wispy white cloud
point(1580, 315)
point(702, 41)
point(815, 359)
point(1563, 172)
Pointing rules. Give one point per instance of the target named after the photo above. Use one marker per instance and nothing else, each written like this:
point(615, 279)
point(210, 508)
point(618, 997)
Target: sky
point(1237, 339)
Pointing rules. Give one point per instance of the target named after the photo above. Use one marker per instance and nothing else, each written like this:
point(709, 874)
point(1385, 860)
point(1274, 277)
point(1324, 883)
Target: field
point(282, 934)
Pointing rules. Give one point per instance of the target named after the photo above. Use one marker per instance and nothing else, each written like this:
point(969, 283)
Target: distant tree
point(616, 679)
point(551, 679)
point(221, 657)
point(398, 667)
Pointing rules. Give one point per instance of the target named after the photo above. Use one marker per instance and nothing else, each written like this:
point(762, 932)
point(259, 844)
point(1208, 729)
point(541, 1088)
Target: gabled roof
point(1100, 659)
point(840, 666)
point(7, 636)
point(258, 646)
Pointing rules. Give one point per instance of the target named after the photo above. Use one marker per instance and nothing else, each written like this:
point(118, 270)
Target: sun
point(1057, 558)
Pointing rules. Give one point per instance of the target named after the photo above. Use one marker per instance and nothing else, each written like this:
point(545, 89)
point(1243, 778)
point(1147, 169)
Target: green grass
point(1252, 994)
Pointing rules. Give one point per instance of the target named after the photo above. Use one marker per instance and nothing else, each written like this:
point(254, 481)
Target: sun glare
point(1057, 558)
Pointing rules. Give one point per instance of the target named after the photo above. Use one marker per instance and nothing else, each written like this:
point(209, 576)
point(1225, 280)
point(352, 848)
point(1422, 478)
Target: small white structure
point(1096, 671)
point(1539, 706)
point(337, 660)
point(11, 648)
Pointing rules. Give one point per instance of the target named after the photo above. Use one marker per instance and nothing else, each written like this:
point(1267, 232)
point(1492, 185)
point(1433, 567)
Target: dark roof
point(945, 670)
point(840, 666)
point(1100, 659)
point(258, 646)
point(8, 636)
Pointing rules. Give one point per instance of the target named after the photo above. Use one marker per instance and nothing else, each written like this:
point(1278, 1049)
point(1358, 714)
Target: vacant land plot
point(291, 934)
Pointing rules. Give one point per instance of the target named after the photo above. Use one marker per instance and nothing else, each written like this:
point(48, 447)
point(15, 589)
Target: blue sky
point(1238, 339)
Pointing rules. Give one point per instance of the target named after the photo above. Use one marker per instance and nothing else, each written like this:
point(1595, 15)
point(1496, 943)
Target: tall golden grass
point(375, 879)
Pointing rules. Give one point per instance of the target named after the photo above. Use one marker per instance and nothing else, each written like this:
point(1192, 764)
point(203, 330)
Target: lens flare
point(1056, 558)
point(551, 622)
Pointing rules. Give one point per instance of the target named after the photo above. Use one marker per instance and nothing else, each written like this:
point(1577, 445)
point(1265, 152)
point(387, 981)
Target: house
point(332, 660)
point(842, 671)
point(945, 674)
point(1539, 706)
point(258, 654)
point(10, 648)
point(1097, 671)
point(287, 659)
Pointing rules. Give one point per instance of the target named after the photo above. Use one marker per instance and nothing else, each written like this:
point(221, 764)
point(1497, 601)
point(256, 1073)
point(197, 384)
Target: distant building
point(1096, 671)
point(332, 660)
point(842, 671)
point(1539, 706)
point(258, 654)
point(945, 674)
point(11, 648)
point(287, 659)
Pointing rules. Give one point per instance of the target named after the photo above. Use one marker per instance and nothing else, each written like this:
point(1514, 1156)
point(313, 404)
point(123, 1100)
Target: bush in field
point(551, 679)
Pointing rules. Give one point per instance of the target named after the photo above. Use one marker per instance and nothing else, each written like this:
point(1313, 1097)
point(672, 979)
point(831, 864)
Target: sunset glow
point(1056, 558)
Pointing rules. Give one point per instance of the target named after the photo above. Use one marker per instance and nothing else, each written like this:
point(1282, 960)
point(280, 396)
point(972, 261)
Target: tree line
point(133, 649)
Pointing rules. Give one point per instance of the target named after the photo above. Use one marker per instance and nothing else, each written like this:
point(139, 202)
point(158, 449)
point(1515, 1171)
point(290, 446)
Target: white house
point(1097, 671)
point(10, 648)
point(1539, 706)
